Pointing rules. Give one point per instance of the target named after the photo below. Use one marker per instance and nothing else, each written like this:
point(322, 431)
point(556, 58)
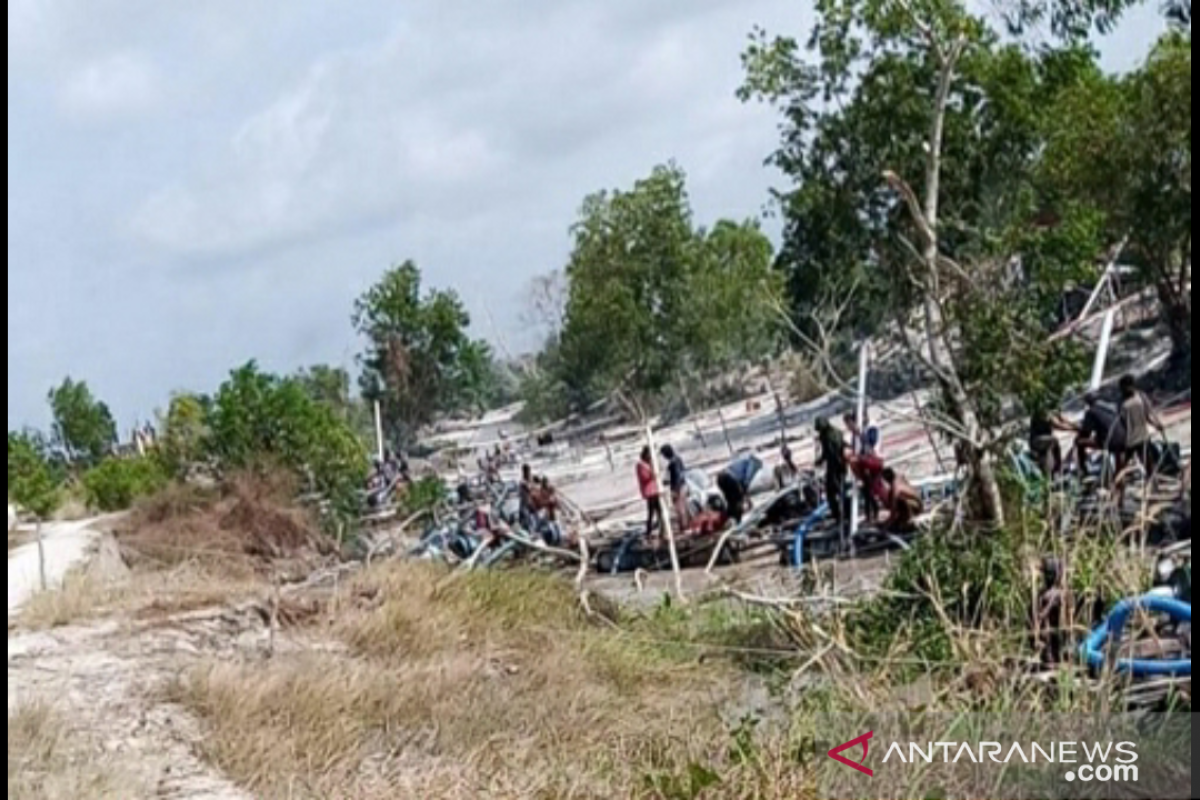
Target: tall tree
point(911, 135)
point(651, 296)
point(1124, 145)
point(419, 361)
point(184, 431)
point(84, 429)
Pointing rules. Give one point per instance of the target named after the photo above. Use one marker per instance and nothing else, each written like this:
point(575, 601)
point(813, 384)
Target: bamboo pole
point(725, 430)
point(664, 516)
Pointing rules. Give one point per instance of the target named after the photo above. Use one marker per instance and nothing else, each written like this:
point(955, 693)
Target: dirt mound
point(250, 524)
point(268, 528)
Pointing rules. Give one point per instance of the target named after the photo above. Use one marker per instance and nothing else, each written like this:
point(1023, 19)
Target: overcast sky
point(194, 184)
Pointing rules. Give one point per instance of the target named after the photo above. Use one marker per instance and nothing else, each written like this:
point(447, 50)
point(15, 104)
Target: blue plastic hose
point(1093, 649)
point(804, 530)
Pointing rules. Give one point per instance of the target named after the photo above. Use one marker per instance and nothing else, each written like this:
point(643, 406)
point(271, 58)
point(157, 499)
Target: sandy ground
point(64, 545)
point(105, 678)
point(608, 488)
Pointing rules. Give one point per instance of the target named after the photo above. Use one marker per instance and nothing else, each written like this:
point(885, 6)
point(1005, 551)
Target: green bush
point(32, 483)
point(971, 580)
point(425, 495)
point(257, 417)
point(116, 483)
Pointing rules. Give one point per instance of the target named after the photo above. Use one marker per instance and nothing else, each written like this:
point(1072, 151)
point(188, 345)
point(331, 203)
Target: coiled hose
point(1094, 648)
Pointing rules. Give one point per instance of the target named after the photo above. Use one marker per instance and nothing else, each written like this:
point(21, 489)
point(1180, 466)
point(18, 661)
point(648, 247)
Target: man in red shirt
point(648, 487)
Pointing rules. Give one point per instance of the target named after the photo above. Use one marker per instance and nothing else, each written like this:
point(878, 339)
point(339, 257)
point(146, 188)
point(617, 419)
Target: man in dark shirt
point(735, 481)
point(1101, 430)
point(526, 513)
point(833, 458)
point(676, 483)
point(1044, 445)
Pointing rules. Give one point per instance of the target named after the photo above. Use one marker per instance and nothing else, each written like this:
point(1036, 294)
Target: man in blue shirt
point(734, 482)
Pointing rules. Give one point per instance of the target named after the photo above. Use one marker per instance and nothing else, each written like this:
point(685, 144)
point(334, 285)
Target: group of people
point(493, 461)
point(1123, 433)
point(846, 464)
point(538, 501)
point(650, 492)
point(862, 459)
point(386, 474)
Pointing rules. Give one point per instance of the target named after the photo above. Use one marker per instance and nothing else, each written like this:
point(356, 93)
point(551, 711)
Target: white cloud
point(117, 85)
point(303, 145)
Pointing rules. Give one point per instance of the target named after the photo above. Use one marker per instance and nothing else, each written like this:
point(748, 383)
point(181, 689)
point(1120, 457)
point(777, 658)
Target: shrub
point(32, 484)
point(425, 495)
point(116, 483)
point(257, 417)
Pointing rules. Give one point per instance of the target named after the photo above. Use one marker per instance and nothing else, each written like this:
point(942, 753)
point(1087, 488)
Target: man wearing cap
point(833, 458)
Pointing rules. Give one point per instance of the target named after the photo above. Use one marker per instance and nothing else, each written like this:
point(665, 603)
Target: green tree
point(329, 385)
point(184, 431)
point(84, 429)
point(651, 296)
point(257, 417)
point(419, 360)
point(1124, 145)
point(115, 483)
point(1074, 20)
point(912, 136)
point(31, 481)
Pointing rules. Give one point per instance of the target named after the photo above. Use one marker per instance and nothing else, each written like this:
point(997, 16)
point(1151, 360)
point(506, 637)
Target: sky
point(195, 184)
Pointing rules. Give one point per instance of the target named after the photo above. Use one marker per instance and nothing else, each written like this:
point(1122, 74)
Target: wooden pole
point(864, 355)
point(41, 555)
point(378, 431)
point(664, 516)
point(1101, 361)
point(725, 430)
point(687, 402)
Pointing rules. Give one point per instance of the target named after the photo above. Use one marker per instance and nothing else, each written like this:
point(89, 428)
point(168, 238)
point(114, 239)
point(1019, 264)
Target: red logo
point(836, 753)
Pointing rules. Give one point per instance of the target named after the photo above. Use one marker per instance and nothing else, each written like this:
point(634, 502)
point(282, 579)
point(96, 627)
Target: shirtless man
point(904, 502)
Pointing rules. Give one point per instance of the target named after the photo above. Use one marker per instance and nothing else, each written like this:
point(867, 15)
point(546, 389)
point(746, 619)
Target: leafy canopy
point(84, 429)
point(259, 417)
point(861, 100)
point(32, 483)
point(650, 296)
point(419, 360)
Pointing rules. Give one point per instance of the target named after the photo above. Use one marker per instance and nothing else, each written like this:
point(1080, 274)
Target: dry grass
point(88, 595)
point(492, 685)
point(250, 527)
point(47, 761)
point(189, 549)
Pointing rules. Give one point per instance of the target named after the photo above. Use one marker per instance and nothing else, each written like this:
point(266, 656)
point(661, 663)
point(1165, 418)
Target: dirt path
point(104, 681)
point(64, 546)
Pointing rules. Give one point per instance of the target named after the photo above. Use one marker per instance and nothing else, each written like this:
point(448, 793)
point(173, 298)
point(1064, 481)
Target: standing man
point(1137, 416)
point(833, 457)
point(1100, 430)
point(527, 509)
point(648, 487)
point(1044, 445)
point(677, 484)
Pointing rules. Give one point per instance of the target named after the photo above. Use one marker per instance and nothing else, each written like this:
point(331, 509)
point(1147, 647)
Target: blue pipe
point(1093, 649)
point(804, 530)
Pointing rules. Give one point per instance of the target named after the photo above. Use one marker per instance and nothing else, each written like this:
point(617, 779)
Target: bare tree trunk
point(987, 500)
